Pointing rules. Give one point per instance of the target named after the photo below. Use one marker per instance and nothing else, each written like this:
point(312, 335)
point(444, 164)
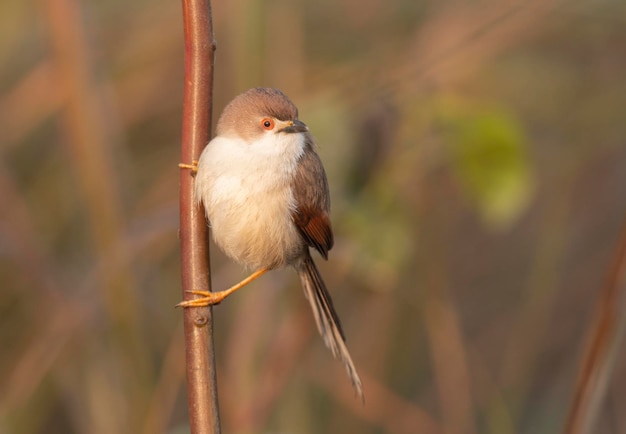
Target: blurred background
point(476, 154)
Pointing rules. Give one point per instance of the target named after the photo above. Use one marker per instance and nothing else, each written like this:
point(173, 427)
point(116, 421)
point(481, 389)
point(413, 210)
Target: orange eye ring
point(267, 124)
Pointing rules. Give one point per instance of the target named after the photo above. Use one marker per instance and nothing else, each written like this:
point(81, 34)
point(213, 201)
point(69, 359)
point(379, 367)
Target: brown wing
point(310, 189)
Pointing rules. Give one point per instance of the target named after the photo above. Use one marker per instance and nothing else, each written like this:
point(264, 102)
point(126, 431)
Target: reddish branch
point(196, 132)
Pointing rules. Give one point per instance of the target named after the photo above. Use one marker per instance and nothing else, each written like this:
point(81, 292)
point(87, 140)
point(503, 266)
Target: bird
point(266, 198)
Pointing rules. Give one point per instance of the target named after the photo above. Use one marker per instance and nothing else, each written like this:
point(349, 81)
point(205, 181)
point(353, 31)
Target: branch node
point(200, 320)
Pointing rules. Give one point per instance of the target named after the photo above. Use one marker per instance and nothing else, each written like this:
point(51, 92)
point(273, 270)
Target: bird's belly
point(251, 222)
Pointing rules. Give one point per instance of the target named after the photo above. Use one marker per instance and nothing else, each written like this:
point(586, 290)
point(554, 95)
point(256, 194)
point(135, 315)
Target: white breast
point(245, 189)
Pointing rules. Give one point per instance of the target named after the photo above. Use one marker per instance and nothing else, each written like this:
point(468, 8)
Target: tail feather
point(326, 318)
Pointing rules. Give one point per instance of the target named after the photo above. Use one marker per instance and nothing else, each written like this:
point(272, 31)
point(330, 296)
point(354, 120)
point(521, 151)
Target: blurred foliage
point(477, 162)
point(487, 151)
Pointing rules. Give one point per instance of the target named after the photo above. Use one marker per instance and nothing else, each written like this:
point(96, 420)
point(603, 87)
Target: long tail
point(326, 318)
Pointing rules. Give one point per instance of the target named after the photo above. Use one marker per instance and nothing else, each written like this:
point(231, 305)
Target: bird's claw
point(208, 299)
point(193, 166)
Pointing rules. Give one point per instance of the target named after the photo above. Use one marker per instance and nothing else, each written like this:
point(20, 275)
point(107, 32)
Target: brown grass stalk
point(196, 132)
point(604, 339)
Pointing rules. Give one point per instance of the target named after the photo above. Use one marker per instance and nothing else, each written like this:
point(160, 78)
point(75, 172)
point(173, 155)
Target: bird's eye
point(267, 124)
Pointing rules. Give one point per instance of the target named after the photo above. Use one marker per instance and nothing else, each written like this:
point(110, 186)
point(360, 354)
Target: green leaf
point(487, 153)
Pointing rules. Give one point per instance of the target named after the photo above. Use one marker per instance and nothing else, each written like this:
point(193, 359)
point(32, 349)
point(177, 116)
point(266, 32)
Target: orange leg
point(211, 298)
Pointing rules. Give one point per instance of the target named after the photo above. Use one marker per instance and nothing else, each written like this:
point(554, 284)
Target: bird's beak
point(295, 127)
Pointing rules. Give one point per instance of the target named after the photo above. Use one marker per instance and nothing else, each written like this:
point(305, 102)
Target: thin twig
point(196, 131)
point(596, 366)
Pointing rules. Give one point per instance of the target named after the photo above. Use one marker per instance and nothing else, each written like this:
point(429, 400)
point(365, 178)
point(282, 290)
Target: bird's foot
point(208, 299)
point(193, 166)
point(211, 298)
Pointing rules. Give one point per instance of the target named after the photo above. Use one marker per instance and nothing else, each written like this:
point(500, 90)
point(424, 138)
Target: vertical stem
point(196, 132)
point(606, 335)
